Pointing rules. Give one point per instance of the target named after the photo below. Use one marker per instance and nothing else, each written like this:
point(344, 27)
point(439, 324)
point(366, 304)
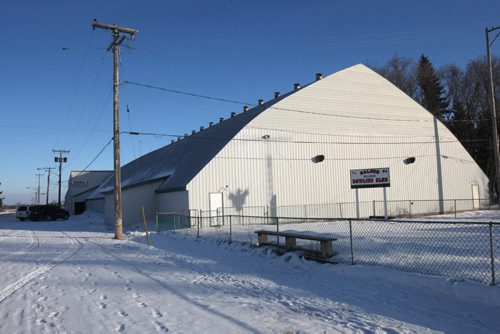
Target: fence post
point(266, 213)
point(278, 233)
point(409, 206)
point(200, 219)
point(350, 236)
point(374, 211)
point(455, 208)
point(492, 255)
point(340, 209)
point(156, 218)
point(230, 229)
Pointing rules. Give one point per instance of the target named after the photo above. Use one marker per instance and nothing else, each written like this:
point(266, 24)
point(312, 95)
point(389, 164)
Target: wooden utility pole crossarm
point(114, 27)
point(115, 44)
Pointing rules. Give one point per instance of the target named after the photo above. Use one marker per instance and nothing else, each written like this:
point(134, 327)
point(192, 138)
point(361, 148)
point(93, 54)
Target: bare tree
point(400, 72)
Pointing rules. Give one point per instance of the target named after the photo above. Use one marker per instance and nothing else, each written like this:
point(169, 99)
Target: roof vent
point(185, 135)
point(210, 124)
point(319, 76)
point(261, 102)
point(221, 119)
point(172, 141)
point(296, 86)
point(193, 132)
point(233, 114)
point(409, 161)
point(245, 108)
point(202, 128)
point(277, 94)
point(318, 158)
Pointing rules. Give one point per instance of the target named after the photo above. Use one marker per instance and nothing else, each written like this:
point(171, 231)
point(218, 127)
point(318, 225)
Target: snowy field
point(71, 277)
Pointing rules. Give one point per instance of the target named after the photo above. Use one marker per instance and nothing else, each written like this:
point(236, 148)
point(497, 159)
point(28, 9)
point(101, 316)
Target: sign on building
point(370, 178)
point(78, 183)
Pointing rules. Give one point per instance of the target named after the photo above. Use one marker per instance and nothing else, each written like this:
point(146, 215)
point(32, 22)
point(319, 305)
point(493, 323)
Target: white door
point(216, 205)
point(475, 197)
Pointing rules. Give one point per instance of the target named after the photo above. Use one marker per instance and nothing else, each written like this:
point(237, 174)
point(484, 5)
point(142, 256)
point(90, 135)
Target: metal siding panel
point(366, 132)
point(173, 201)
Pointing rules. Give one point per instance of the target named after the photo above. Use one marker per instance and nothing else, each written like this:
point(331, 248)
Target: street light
point(492, 109)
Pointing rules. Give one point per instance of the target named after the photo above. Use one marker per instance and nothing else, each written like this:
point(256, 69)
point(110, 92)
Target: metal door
point(216, 208)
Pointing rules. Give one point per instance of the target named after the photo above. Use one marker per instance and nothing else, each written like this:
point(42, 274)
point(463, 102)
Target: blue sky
point(56, 76)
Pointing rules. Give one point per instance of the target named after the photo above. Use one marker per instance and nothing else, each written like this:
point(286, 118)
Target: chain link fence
point(459, 250)
point(367, 209)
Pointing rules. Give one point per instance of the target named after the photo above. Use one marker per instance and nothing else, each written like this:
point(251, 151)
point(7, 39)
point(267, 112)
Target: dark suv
point(47, 212)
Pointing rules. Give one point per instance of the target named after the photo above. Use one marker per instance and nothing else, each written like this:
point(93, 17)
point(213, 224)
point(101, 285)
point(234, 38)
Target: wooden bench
point(291, 237)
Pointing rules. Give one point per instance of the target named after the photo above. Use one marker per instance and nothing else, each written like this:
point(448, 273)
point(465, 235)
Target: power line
point(95, 158)
point(84, 107)
point(175, 91)
point(185, 93)
point(208, 137)
point(76, 87)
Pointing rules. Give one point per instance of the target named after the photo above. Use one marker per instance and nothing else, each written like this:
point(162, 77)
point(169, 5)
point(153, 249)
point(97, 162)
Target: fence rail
point(367, 209)
point(460, 250)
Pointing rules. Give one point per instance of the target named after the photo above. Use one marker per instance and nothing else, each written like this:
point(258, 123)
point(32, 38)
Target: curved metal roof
point(179, 162)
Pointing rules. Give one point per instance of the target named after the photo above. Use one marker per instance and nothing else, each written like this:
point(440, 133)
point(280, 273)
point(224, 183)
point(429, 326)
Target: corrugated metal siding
point(173, 201)
point(96, 205)
point(109, 209)
point(133, 199)
point(137, 197)
point(369, 123)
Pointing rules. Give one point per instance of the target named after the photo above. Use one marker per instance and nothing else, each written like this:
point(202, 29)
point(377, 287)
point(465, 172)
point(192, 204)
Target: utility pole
point(493, 111)
point(117, 40)
point(1, 198)
point(60, 159)
point(38, 189)
point(47, 169)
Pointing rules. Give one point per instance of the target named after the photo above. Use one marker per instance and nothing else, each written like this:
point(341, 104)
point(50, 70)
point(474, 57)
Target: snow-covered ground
point(71, 277)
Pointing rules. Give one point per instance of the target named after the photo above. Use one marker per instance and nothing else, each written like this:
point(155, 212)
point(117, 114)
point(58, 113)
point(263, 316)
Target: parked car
point(47, 212)
point(53, 212)
point(23, 212)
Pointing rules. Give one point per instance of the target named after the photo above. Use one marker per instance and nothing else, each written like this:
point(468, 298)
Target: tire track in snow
point(5, 236)
point(76, 245)
point(35, 243)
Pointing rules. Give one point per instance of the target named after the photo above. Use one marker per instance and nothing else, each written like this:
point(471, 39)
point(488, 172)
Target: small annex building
point(81, 185)
point(292, 156)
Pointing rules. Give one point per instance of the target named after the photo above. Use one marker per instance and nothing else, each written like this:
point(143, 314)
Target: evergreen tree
point(431, 90)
